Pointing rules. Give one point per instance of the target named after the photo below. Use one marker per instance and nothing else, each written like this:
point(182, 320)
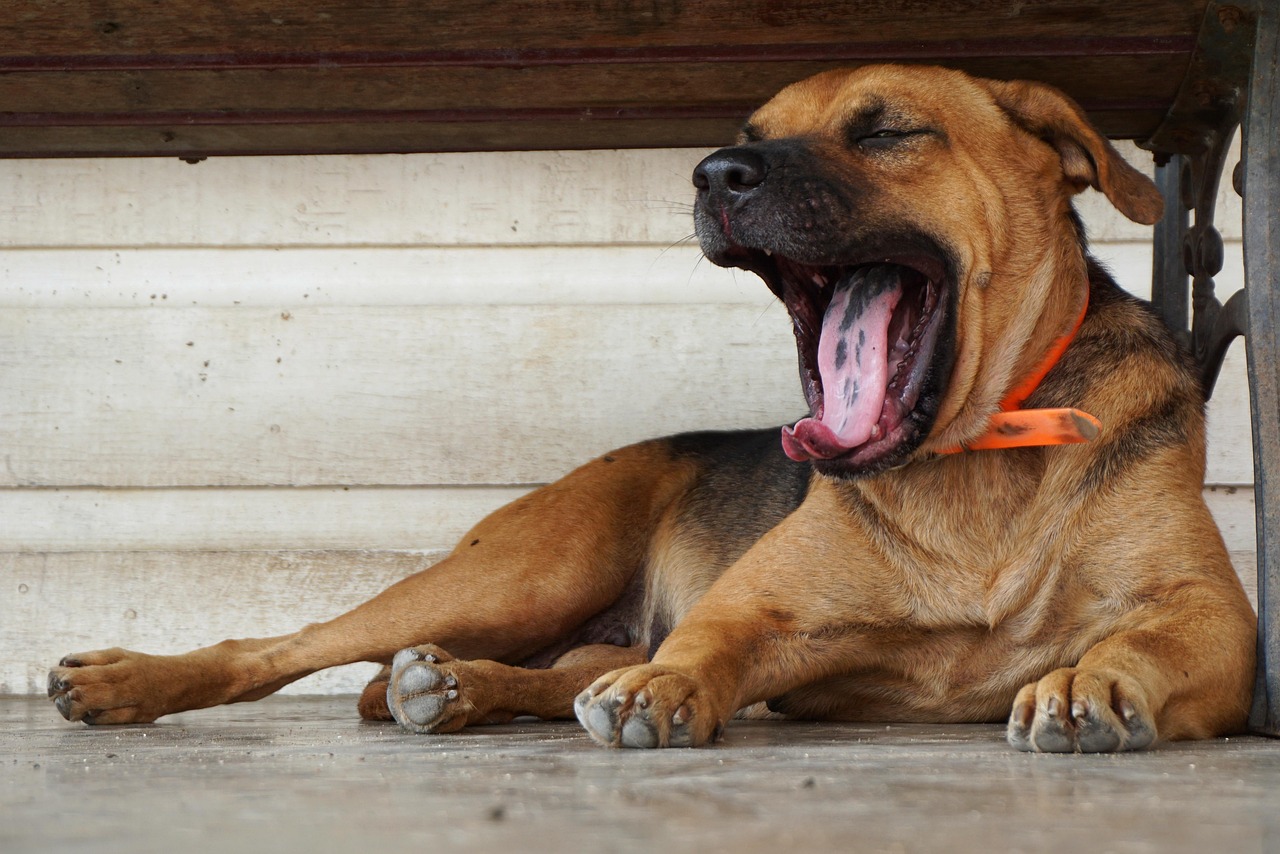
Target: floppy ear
point(1087, 157)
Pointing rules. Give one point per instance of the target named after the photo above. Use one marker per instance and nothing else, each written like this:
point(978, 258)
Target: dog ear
point(1087, 157)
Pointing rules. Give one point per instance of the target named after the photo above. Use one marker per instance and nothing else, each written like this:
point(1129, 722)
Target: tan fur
point(1085, 588)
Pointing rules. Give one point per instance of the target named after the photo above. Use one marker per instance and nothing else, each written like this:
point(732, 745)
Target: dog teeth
point(820, 280)
point(768, 253)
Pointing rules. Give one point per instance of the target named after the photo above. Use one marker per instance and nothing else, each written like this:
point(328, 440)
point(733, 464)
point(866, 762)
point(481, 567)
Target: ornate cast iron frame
point(1233, 79)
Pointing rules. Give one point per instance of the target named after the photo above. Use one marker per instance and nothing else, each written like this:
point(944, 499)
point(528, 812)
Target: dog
point(993, 511)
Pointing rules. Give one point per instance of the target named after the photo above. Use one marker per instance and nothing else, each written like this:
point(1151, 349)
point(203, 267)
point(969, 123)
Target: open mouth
point(871, 365)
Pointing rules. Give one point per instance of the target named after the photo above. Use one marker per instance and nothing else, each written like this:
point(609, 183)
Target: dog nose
point(731, 171)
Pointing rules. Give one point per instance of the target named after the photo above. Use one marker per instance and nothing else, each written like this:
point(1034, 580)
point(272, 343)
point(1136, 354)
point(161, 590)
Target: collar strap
point(1015, 427)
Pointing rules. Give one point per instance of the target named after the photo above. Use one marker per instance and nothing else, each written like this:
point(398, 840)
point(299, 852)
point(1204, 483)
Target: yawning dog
point(992, 511)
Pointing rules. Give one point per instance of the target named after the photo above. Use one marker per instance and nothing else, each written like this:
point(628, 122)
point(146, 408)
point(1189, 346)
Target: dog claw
point(1104, 717)
point(644, 707)
point(601, 717)
point(405, 657)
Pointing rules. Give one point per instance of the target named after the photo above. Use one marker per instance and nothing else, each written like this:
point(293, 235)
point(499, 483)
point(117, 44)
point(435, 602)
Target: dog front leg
point(770, 624)
point(706, 670)
point(1185, 673)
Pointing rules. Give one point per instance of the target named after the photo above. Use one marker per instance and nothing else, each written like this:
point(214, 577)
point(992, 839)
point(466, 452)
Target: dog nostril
point(743, 178)
point(731, 170)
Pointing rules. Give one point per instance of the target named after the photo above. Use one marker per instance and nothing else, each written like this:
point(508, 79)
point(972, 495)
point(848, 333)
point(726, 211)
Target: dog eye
point(886, 137)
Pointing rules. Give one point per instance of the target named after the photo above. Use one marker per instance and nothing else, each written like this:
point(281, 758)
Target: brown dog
point(917, 223)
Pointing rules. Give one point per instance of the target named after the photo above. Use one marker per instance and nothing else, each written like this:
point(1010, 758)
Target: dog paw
point(1081, 711)
point(423, 694)
point(103, 687)
point(648, 706)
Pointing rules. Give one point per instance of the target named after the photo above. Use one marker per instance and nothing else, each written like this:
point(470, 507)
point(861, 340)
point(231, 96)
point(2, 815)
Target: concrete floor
point(302, 774)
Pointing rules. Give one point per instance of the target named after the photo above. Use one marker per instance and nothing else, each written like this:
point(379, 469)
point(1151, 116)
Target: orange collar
point(1014, 427)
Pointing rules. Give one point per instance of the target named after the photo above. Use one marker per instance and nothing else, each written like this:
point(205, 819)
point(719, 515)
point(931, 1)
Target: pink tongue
point(854, 365)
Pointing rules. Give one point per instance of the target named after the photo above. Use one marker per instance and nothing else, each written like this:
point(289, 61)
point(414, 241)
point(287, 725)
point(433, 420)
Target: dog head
point(917, 224)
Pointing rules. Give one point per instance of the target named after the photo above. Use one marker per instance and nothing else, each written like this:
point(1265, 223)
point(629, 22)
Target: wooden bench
point(195, 80)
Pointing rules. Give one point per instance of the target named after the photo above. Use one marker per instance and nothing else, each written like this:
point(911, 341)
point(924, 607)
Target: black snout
point(730, 172)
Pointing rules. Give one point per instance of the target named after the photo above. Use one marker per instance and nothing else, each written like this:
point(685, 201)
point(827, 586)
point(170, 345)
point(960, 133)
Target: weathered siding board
point(600, 197)
point(548, 28)
point(463, 275)
point(414, 518)
point(126, 78)
point(1230, 440)
point(476, 199)
point(84, 519)
point(168, 602)
point(378, 395)
point(361, 276)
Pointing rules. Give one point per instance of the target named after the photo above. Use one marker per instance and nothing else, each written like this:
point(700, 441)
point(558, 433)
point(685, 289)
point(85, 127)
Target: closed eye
point(888, 137)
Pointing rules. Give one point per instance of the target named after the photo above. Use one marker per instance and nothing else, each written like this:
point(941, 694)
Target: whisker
point(767, 308)
point(683, 241)
point(663, 204)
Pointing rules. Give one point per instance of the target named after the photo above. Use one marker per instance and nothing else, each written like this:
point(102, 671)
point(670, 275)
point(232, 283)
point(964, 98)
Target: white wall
point(247, 394)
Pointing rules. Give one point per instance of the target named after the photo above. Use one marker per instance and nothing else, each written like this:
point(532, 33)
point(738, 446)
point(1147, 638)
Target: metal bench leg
point(1169, 272)
point(1261, 185)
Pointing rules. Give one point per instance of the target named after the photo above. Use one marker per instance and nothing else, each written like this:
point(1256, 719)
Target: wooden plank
point(597, 197)
point(384, 395)
point(1233, 510)
point(1230, 441)
point(650, 117)
point(559, 30)
point(168, 602)
point(465, 275)
point(369, 276)
point(176, 137)
point(415, 519)
point(734, 89)
point(570, 75)
point(182, 136)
